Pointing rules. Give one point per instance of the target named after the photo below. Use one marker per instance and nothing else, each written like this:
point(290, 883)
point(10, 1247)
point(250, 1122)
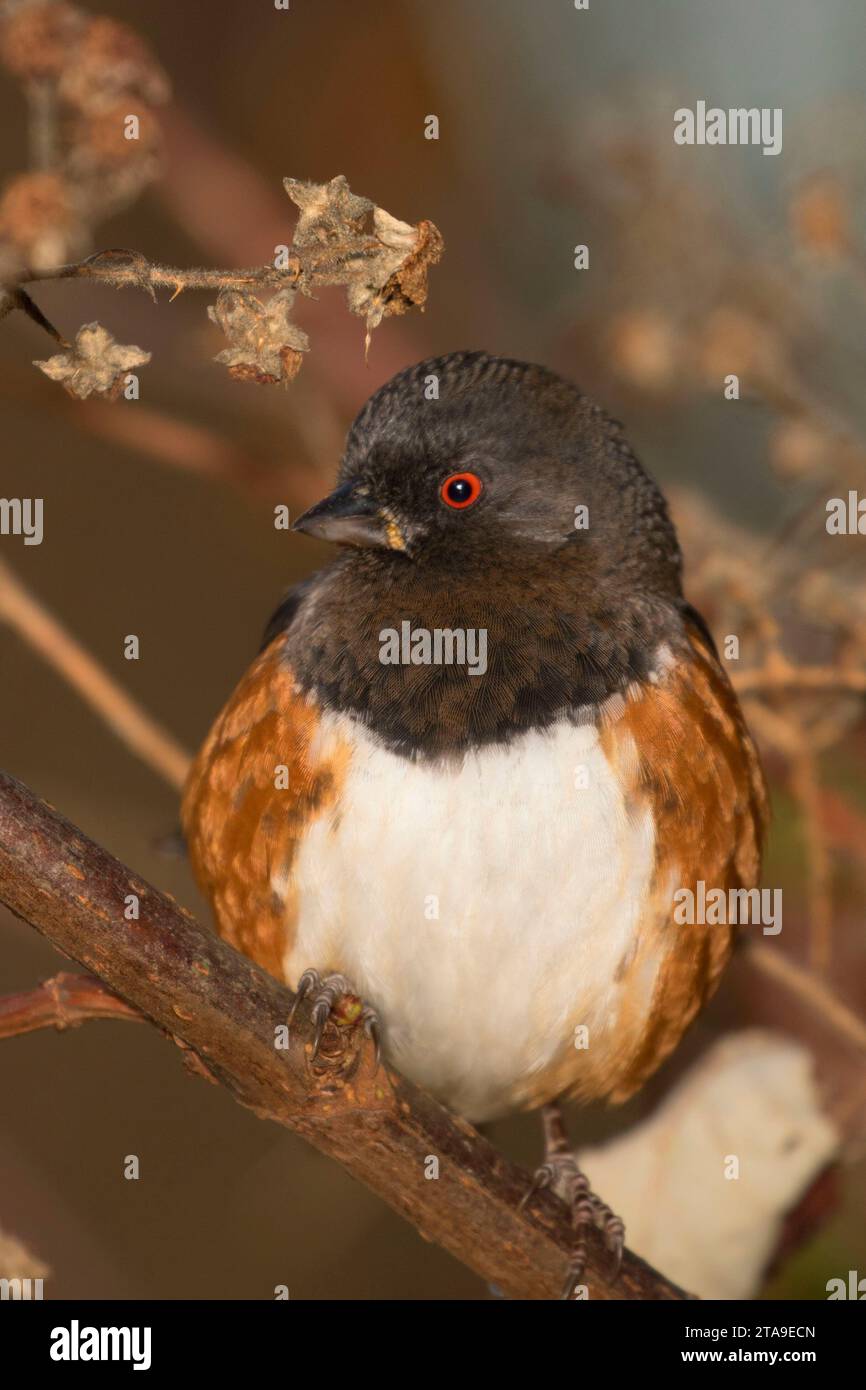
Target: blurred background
point(555, 129)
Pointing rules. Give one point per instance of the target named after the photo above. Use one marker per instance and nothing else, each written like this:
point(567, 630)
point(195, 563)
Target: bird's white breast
point(484, 910)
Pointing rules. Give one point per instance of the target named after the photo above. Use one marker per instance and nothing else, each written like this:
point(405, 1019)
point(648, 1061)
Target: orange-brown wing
point(252, 792)
point(697, 764)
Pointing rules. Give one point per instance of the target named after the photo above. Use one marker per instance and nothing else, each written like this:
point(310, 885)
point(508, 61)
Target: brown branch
point(43, 114)
point(130, 270)
point(328, 264)
point(41, 630)
point(787, 677)
point(810, 991)
point(18, 298)
point(225, 1009)
point(64, 1001)
point(124, 269)
point(807, 790)
point(765, 986)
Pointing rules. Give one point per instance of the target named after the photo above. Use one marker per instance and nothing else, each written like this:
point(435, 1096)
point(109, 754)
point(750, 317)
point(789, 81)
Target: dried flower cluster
point(341, 239)
point(382, 262)
point(95, 364)
point(265, 345)
point(93, 87)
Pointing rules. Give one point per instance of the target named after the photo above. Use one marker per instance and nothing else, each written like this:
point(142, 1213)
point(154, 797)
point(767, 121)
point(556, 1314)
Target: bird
point(478, 754)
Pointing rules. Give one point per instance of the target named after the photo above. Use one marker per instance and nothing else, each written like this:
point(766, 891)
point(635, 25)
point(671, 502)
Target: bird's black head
point(480, 496)
point(466, 459)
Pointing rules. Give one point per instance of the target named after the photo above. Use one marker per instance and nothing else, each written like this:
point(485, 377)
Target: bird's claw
point(541, 1178)
point(373, 1031)
point(563, 1175)
point(326, 992)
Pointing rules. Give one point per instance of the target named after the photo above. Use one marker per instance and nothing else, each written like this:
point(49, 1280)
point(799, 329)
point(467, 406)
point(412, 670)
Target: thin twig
point(144, 737)
point(787, 677)
point(807, 790)
point(123, 269)
point(811, 991)
point(42, 110)
point(129, 269)
point(20, 299)
point(64, 1001)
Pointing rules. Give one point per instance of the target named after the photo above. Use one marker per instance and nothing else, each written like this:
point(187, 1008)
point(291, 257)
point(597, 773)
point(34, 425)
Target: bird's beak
point(350, 516)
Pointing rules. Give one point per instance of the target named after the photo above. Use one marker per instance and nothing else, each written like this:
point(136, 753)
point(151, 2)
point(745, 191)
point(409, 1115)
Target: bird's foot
point(564, 1176)
point(334, 1000)
point(562, 1173)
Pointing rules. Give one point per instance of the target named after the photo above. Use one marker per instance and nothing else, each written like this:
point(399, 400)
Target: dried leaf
point(95, 365)
point(329, 211)
point(265, 345)
point(382, 261)
point(407, 287)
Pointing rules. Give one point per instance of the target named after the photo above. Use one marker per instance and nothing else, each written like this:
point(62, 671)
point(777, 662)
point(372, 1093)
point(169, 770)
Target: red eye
point(461, 490)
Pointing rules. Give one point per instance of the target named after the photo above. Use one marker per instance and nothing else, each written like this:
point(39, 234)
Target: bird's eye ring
point(460, 490)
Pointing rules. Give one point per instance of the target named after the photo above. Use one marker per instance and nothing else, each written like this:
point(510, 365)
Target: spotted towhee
point(480, 752)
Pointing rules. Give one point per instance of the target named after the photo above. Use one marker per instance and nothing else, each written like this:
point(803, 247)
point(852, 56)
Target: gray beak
point(350, 516)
